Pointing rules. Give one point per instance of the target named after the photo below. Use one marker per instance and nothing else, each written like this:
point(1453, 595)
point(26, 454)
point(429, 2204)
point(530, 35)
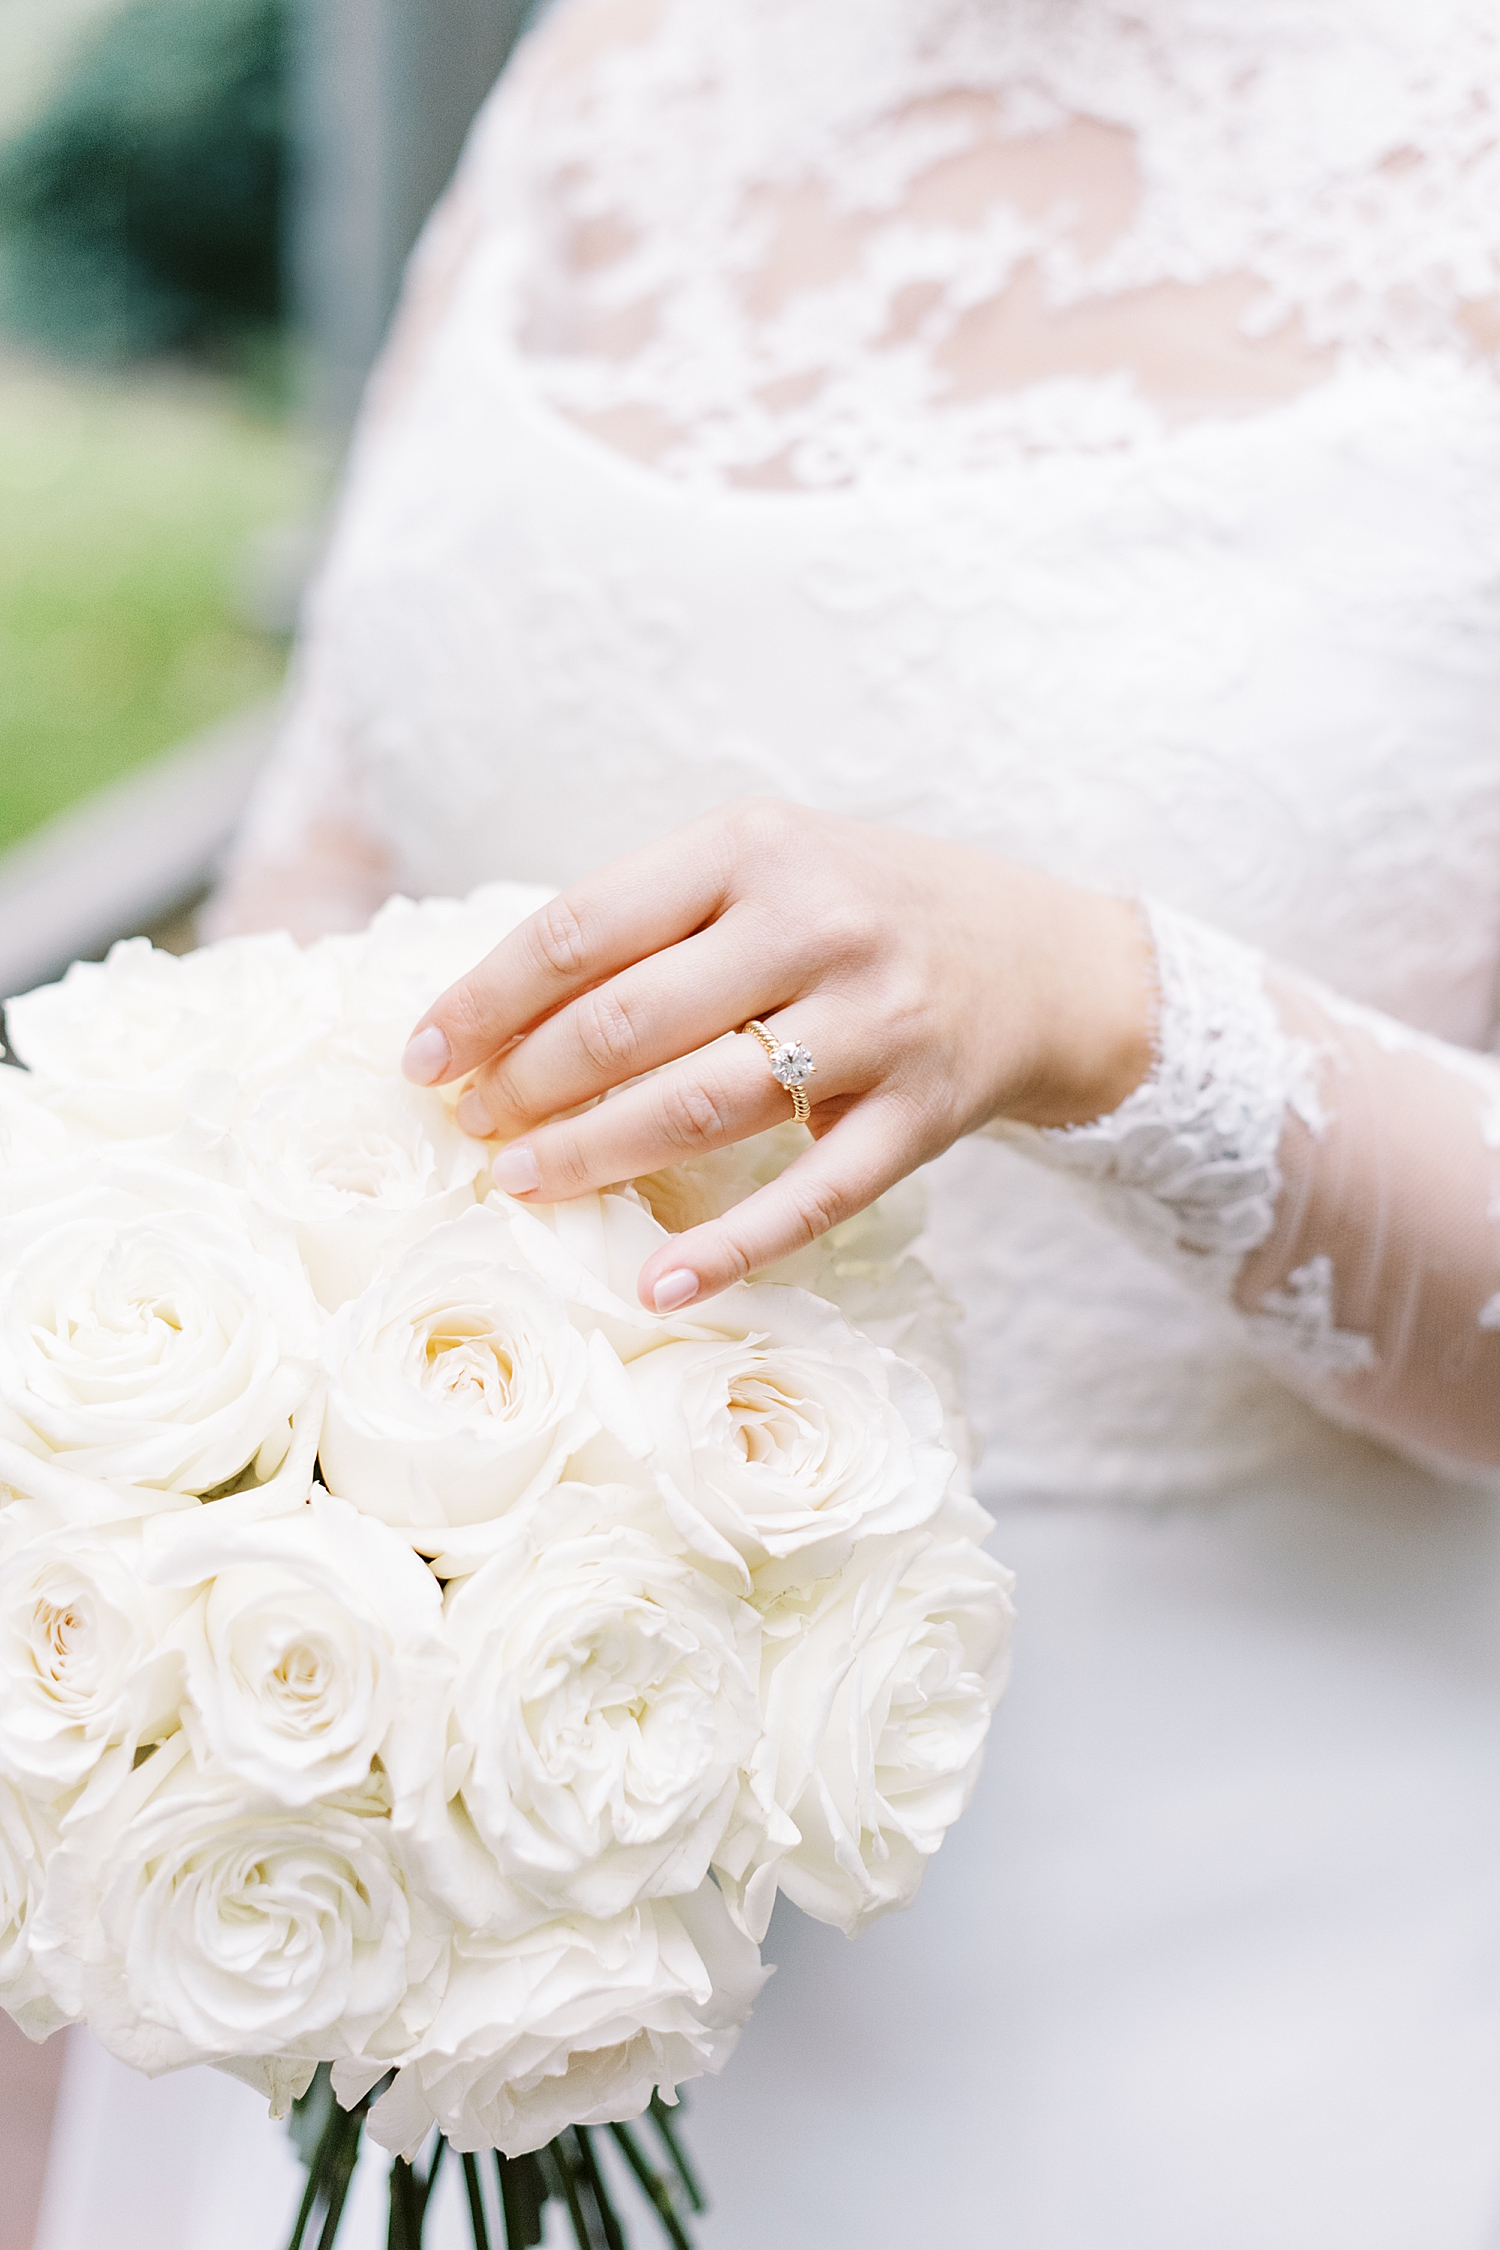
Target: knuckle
point(500, 1091)
point(905, 1018)
point(856, 931)
point(566, 1163)
point(558, 937)
point(765, 823)
point(912, 1107)
point(463, 1014)
point(909, 996)
point(811, 1206)
point(605, 1031)
point(690, 1115)
point(731, 1254)
point(816, 1206)
point(744, 812)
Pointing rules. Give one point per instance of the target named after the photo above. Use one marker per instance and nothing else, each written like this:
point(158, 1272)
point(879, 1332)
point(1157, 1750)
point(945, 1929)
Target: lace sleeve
point(1332, 1174)
point(305, 858)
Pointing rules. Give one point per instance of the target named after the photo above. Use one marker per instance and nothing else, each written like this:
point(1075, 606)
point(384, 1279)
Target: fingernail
point(515, 1170)
point(473, 1117)
point(426, 1057)
point(675, 1289)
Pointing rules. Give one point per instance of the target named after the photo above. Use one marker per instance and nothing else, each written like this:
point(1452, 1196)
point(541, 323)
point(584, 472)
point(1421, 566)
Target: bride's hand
point(935, 987)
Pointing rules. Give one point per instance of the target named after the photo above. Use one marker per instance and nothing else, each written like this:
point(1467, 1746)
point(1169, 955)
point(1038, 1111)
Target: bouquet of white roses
point(416, 1658)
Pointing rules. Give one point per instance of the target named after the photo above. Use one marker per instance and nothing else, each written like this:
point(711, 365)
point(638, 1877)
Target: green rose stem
point(523, 2200)
point(661, 2118)
point(343, 2150)
point(567, 2171)
point(566, 2168)
point(410, 2194)
point(614, 2233)
point(477, 2219)
point(653, 2185)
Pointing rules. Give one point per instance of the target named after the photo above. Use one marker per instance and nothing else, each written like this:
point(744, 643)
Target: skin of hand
point(935, 986)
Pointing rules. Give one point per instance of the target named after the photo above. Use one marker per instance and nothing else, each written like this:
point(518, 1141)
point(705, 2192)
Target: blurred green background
point(205, 208)
point(129, 515)
point(157, 492)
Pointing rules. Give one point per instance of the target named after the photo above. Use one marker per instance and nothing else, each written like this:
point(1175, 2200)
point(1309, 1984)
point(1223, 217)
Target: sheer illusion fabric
point(1331, 1174)
point(926, 238)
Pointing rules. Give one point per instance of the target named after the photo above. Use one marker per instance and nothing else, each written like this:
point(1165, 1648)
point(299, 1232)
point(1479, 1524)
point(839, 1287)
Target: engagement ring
point(791, 1065)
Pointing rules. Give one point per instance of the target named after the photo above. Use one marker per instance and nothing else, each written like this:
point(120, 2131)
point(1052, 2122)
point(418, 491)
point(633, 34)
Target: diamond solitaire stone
point(791, 1066)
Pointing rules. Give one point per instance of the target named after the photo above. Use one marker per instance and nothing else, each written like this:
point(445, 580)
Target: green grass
point(127, 509)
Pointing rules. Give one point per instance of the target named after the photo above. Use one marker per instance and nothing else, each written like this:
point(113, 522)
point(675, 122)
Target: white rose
point(36, 1142)
point(84, 1676)
point(704, 1187)
point(869, 1248)
point(359, 1167)
point(866, 1265)
point(119, 1042)
point(780, 1446)
point(190, 1921)
point(590, 1251)
point(604, 1708)
point(391, 972)
point(877, 1689)
point(577, 2023)
point(457, 1385)
point(26, 1842)
point(145, 1336)
point(316, 1649)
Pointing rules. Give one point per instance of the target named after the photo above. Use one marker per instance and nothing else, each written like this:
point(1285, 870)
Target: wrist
point(1097, 1039)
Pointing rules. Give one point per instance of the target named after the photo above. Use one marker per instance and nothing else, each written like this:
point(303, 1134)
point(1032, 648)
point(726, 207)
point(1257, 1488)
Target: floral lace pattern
point(1299, 1321)
point(1189, 1160)
point(753, 242)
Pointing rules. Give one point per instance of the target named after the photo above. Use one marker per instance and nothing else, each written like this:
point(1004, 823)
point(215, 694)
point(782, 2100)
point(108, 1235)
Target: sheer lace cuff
point(1326, 1172)
point(1189, 1161)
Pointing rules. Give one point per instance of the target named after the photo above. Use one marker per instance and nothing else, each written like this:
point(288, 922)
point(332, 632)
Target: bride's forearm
point(1329, 1173)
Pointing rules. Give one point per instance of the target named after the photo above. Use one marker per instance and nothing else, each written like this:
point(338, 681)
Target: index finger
point(634, 907)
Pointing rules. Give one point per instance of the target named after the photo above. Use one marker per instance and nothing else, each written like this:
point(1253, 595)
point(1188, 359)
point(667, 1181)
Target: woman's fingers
point(642, 903)
point(707, 1102)
point(662, 1008)
point(722, 1094)
point(866, 1152)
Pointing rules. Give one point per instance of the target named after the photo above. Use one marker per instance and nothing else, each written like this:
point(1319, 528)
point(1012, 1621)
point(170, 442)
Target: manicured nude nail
point(515, 1170)
point(674, 1290)
point(426, 1057)
point(473, 1117)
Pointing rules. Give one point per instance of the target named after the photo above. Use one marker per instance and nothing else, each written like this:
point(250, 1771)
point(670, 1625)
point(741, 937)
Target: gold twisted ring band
point(791, 1065)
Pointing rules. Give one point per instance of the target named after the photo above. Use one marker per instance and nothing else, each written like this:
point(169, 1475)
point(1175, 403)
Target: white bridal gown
point(1065, 425)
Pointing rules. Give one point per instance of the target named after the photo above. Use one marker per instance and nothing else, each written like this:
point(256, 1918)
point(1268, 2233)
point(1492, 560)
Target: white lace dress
point(1067, 425)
